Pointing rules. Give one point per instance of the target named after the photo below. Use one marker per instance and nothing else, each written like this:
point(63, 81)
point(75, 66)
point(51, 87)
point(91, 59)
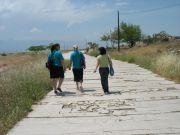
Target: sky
point(80, 20)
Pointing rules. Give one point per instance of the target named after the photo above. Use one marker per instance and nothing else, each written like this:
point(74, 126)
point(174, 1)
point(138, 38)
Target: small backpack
point(49, 62)
point(82, 61)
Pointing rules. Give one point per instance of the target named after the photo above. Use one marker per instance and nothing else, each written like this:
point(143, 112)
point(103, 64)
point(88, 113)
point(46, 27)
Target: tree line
point(37, 48)
point(131, 34)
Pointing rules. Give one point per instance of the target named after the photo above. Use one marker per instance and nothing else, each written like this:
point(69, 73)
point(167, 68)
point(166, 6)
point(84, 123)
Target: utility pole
point(118, 34)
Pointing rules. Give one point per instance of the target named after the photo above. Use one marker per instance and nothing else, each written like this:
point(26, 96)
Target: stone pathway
point(141, 103)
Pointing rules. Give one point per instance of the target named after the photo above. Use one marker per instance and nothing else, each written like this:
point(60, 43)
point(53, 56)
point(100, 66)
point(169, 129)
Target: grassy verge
point(20, 87)
point(159, 58)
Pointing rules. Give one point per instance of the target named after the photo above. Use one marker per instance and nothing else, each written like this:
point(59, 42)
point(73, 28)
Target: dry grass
point(24, 82)
point(13, 59)
point(149, 50)
point(168, 65)
point(20, 87)
point(157, 58)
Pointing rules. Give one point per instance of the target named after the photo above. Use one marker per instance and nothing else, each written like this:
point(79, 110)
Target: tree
point(93, 45)
point(130, 33)
point(114, 35)
point(37, 48)
point(106, 38)
point(147, 39)
point(161, 36)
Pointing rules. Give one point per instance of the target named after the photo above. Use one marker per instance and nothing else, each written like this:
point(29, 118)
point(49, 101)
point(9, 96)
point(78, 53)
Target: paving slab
point(141, 103)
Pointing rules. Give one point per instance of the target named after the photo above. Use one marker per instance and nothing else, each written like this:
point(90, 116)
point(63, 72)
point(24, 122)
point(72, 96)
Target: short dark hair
point(102, 50)
point(53, 47)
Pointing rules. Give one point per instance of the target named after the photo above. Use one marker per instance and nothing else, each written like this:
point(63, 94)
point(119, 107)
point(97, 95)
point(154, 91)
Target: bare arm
point(63, 65)
point(70, 64)
point(110, 61)
point(97, 65)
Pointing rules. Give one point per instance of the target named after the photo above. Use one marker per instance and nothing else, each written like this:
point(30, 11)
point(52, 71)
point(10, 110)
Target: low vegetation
point(20, 87)
point(162, 59)
point(13, 59)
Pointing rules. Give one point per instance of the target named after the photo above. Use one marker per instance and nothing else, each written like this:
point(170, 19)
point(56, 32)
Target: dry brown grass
point(150, 50)
point(13, 59)
point(162, 58)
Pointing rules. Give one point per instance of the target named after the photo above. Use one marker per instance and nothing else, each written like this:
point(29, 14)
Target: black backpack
point(50, 62)
point(82, 61)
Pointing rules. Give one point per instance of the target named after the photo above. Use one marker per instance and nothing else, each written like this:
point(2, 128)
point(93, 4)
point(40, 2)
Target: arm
point(71, 61)
point(63, 65)
point(84, 63)
point(97, 65)
point(70, 64)
point(84, 60)
point(62, 61)
point(110, 61)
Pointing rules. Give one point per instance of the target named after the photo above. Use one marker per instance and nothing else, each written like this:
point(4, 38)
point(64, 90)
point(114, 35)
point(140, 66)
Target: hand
point(64, 70)
point(95, 71)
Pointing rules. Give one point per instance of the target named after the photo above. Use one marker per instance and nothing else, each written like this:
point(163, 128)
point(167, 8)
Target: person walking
point(104, 62)
point(56, 68)
point(77, 61)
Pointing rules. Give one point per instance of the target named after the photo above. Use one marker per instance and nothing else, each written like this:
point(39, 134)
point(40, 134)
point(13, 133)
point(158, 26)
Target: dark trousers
point(104, 73)
point(78, 75)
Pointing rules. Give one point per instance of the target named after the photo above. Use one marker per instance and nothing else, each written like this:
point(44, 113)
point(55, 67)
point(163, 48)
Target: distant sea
point(13, 46)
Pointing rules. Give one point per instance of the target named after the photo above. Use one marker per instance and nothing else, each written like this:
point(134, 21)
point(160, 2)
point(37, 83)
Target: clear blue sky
point(83, 19)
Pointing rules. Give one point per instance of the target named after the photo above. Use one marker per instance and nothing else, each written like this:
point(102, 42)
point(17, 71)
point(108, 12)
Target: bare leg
point(60, 82)
point(81, 87)
point(54, 83)
point(77, 85)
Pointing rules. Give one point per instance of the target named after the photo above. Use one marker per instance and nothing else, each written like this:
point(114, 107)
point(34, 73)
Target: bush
point(3, 54)
point(20, 87)
point(94, 53)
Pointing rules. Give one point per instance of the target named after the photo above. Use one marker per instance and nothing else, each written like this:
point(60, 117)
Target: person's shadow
point(116, 92)
point(67, 93)
point(89, 90)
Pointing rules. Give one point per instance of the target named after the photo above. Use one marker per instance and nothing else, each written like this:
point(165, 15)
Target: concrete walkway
point(141, 103)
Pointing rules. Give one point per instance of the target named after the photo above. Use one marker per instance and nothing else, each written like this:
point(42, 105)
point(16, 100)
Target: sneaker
point(106, 93)
point(56, 92)
point(59, 89)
